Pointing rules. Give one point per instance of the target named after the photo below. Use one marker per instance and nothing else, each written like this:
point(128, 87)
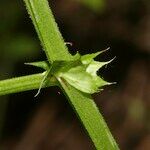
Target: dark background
point(47, 121)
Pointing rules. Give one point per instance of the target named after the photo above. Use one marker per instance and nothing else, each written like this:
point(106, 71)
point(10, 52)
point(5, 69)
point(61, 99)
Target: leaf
point(84, 75)
point(86, 59)
point(80, 79)
point(41, 64)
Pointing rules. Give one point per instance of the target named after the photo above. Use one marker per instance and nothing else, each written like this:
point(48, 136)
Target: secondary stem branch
point(24, 83)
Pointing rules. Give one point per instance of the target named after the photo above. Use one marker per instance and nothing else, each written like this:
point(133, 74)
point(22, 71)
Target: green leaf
point(88, 58)
point(83, 76)
point(80, 79)
point(41, 64)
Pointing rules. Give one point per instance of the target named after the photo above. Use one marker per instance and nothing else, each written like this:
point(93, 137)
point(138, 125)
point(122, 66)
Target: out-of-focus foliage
point(94, 5)
point(16, 44)
point(20, 47)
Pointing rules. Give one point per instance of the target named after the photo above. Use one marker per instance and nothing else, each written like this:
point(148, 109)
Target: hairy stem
point(90, 117)
point(47, 30)
point(24, 83)
point(56, 50)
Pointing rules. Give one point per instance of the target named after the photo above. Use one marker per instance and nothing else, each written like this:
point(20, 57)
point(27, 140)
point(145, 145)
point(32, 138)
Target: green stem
point(47, 30)
point(56, 50)
point(91, 118)
point(24, 83)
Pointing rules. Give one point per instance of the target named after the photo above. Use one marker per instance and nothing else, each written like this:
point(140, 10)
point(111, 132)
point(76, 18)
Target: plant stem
point(56, 50)
point(47, 30)
point(91, 118)
point(24, 83)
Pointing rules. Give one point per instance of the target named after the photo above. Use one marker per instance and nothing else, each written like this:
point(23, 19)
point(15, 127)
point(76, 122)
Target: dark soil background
point(47, 122)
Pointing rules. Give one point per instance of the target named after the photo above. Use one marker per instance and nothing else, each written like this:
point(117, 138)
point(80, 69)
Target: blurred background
point(47, 122)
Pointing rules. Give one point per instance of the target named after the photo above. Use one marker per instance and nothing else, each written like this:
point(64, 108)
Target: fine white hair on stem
point(69, 43)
